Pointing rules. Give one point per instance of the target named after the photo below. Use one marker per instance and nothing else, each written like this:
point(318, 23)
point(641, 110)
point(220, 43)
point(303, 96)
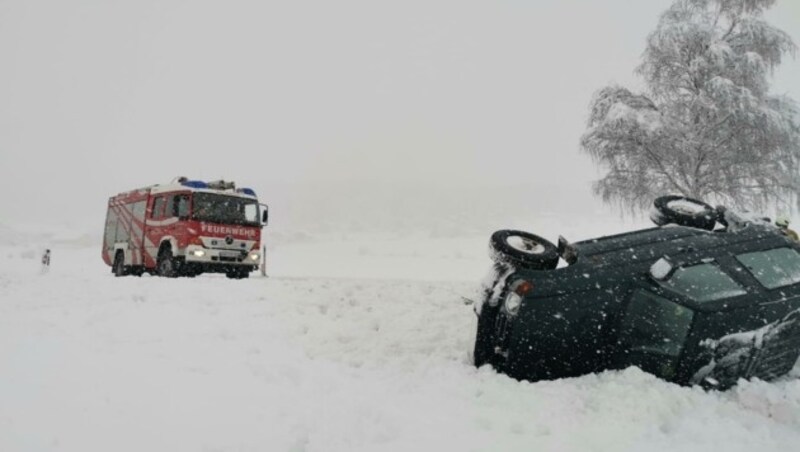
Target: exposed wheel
point(118, 268)
point(166, 264)
point(523, 249)
point(683, 211)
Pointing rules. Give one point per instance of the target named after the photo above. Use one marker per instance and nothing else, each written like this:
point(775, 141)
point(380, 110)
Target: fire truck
point(184, 228)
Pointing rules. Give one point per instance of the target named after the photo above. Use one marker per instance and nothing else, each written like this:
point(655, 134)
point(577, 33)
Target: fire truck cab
point(184, 228)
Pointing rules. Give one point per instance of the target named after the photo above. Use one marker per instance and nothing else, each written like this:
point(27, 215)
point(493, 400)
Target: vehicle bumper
point(210, 257)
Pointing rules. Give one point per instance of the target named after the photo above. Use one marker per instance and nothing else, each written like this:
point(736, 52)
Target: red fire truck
point(184, 228)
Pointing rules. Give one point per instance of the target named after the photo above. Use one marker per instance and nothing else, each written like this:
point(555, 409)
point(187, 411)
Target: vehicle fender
point(126, 255)
point(173, 242)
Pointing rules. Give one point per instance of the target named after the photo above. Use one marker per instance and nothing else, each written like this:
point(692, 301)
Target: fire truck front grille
point(226, 259)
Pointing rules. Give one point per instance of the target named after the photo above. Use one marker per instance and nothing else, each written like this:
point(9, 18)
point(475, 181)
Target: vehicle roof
point(141, 193)
point(158, 189)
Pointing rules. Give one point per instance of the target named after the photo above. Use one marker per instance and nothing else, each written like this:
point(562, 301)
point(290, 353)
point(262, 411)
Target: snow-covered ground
point(356, 342)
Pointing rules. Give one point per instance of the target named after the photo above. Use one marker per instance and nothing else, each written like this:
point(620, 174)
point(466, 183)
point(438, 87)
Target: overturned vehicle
point(707, 297)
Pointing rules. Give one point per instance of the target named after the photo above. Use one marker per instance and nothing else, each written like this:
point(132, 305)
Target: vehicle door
point(659, 316)
point(652, 331)
point(176, 212)
point(155, 227)
point(138, 210)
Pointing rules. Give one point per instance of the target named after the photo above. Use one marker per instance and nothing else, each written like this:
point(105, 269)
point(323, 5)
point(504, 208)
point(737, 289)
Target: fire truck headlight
point(255, 256)
point(199, 253)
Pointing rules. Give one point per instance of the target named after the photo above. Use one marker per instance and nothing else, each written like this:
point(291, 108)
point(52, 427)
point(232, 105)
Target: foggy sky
point(98, 97)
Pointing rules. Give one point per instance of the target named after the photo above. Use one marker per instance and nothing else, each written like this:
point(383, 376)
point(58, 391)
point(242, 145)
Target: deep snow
point(355, 343)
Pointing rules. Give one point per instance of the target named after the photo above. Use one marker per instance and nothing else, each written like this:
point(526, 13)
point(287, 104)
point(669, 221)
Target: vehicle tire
point(238, 273)
point(166, 264)
point(683, 211)
point(522, 249)
point(118, 268)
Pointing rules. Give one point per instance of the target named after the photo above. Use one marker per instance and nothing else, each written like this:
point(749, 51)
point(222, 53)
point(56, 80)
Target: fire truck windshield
point(225, 209)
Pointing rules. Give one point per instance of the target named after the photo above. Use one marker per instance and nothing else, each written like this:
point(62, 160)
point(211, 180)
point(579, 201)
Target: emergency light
point(215, 185)
point(221, 185)
point(194, 184)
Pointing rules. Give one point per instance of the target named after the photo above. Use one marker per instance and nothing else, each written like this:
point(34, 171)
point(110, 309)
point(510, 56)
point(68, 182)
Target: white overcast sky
point(98, 97)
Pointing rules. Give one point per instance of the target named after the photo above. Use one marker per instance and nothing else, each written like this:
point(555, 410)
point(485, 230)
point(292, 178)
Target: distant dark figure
point(46, 261)
point(783, 224)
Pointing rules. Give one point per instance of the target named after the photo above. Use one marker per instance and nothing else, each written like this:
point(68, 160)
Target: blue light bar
point(195, 184)
point(247, 191)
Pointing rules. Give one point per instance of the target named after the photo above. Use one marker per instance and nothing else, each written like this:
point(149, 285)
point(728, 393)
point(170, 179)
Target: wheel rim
point(166, 266)
point(525, 245)
point(686, 207)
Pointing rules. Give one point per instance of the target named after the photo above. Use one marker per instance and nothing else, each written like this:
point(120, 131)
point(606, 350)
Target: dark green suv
point(706, 298)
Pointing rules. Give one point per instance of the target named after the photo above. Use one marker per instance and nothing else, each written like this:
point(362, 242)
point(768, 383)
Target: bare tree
point(707, 126)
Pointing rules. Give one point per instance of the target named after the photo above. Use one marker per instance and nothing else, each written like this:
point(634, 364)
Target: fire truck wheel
point(166, 264)
point(119, 265)
point(238, 273)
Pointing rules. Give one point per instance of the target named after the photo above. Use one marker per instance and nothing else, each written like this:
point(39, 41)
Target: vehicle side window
point(158, 208)
point(180, 206)
point(655, 324)
point(251, 213)
point(773, 268)
point(703, 282)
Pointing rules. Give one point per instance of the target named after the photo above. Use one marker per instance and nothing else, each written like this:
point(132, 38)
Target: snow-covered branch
point(706, 126)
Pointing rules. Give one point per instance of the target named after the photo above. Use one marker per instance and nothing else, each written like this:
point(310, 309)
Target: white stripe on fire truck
point(166, 222)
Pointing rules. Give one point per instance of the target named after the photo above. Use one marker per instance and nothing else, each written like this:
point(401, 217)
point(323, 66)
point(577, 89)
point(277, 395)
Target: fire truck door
point(176, 211)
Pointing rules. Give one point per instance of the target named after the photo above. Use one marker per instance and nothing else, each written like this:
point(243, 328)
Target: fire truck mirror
point(264, 215)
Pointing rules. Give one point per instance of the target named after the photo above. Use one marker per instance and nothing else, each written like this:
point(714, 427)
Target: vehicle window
point(773, 268)
point(111, 228)
point(158, 208)
point(251, 213)
point(703, 282)
point(655, 324)
point(225, 209)
point(180, 206)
